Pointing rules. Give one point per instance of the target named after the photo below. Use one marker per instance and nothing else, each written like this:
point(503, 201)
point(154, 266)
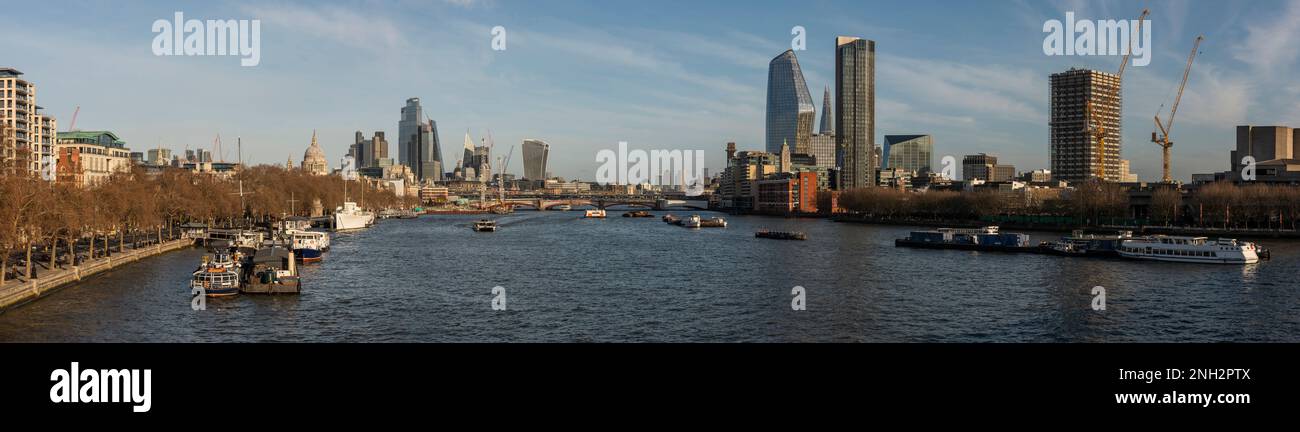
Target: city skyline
point(985, 94)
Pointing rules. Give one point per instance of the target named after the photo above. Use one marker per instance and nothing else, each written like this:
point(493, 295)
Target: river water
point(569, 279)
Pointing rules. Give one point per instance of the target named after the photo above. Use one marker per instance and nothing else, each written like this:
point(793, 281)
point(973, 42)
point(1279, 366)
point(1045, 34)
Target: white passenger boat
point(1190, 250)
point(562, 207)
point(350, 217)
point(595, 214)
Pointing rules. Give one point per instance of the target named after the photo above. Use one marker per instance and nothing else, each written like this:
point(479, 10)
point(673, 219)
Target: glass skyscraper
point(855, 110)
point(535, 154)
point(418, 146)
point(790, 108)
point(914, 153)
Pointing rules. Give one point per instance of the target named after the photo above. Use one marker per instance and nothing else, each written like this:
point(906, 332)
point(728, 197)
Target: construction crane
point(1099, 131)
point(501, 175)
point(72, 127)
point(1161, 137)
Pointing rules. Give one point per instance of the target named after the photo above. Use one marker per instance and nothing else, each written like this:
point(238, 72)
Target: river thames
point(569, 279)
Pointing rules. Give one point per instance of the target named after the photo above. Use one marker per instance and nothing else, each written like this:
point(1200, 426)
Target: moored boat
point(638, 214)
point(350, 217)
point(980, 239)
point(692, 221)
point(781, 235)
point(218, 275)
point(1190, 250)
point(713, 222)
point(671, 219)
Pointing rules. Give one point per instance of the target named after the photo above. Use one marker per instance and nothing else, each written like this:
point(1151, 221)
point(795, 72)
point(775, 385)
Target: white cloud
point(1272, 44)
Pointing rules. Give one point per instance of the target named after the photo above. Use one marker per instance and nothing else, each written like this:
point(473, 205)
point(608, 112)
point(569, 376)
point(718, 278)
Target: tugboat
point(485, 225)
point(781, 235)
point(595, 214)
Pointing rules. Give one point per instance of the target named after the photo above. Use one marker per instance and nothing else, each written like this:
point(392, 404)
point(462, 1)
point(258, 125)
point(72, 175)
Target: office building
point(913, 153)
point(855, 114)
point(1074, 151)
point(88, 158)
point(536, 152)
point(790, 108)
point(978, 167)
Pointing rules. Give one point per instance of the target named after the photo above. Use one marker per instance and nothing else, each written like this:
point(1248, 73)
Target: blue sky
point(660, 75)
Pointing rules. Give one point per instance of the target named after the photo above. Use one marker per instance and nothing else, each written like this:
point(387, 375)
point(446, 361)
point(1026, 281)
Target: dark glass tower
point(855, 110)
point(790, 108)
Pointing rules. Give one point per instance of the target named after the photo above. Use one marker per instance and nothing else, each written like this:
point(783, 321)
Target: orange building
point(787, 194)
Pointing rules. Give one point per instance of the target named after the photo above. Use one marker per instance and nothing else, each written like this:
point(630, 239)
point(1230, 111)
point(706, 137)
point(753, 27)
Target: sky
point(687, 75)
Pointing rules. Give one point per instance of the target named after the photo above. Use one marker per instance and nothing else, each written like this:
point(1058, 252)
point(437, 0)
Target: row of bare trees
point(58, 218)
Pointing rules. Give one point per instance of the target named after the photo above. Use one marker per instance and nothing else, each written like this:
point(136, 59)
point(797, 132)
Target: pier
point(18, 292)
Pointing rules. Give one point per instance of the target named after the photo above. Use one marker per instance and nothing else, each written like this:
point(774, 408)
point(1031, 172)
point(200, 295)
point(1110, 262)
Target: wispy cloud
point(1272, 43)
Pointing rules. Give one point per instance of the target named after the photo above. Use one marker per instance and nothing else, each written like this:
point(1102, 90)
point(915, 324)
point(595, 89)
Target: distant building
point(27, 143)
point(1276, 150)
point(736, 188)
point(826, 127)
point(536, 152)
point(1038, 176)
point(855, 110)
point(1073, 149)
point(822, 149)
point(978, 167)
point(159, 156)
point(90, 157)
point(313, 160)
point(790, 108)
point(1003, 173)
point(1125, 172)
point(418, 144)
point(913, 153)
point(786, 193)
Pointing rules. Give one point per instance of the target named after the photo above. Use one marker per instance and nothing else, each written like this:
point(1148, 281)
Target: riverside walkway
point(19, 291)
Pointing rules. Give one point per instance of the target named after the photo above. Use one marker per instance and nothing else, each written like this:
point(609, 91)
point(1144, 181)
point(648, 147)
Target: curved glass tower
point(790, 108)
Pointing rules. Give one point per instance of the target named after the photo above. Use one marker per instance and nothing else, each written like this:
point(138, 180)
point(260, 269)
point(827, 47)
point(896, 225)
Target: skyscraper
point(407, 127)
point(913, 153)
point(855, 110)
point(430, 152)
point(467, 164)
point(1074, 151)
point(826, 128)
point(790, 108)
point(536, 153)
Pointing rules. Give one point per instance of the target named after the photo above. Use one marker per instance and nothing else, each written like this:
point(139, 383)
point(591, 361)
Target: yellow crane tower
point(1161, 137)
point(1099, 131)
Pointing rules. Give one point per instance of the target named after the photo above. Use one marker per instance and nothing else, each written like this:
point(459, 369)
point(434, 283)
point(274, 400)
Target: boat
point(349, 217)
point(273, 272)
point(485, 225)
point(1080, 243)
point(692, 221)
point(218, 275)
point(503, 210)
point(671, 219)
point(295, 223)
point(781, 235)
point(1190, 250)
point(638, 214)
point(978, 239)
point(713, 222)
point(595, 214)
point(308, 246)
point(562, 207)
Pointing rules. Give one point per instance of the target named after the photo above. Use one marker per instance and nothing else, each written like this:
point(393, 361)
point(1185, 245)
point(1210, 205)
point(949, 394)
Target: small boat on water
point(638, 214)
point(978, 239)
point(692, 221)
point(595, 214)
point(350, 217)
point(671, 219)
point(1190, 250)
point(308, 246)
point(1080, 243)
point(713, 222)
point(273, 273)
point(781, 235)
point(503, 210)
point(218, 275)
point(562, 207)
point(485, 225)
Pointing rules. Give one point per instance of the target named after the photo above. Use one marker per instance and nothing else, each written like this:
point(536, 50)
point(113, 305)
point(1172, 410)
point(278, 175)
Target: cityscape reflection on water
point(631, 279)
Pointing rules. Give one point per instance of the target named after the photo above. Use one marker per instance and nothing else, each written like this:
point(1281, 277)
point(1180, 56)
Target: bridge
point(602, 202)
